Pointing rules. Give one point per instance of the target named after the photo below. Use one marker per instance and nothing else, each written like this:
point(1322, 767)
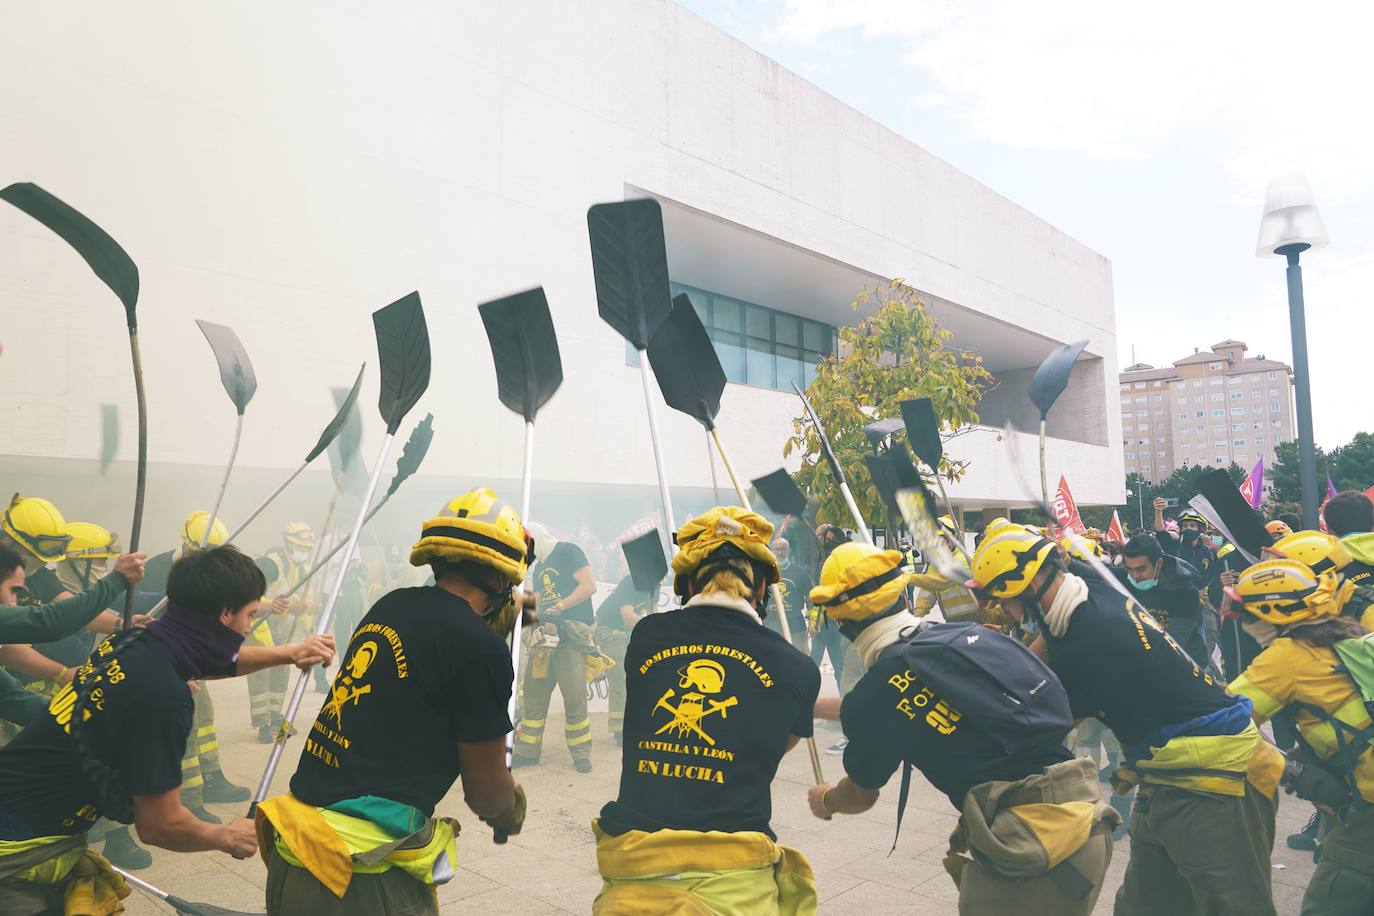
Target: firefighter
point(1023, 814)
point(714, 699)
point(285, 567)
point(1202, 827)
point(419, 701)
point(1295, 614)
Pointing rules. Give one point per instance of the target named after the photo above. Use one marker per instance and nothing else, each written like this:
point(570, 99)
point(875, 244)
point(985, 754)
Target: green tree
point(898, 353)
point(1284, 480)
point(1352, 465)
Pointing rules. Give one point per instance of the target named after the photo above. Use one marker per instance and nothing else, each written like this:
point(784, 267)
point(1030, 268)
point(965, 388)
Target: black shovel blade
point(1241, 524)
point(904, 468)
point(417, 446)
point(341, 419)
point(1053, 375)
point(630, 267)
point(235, 368)
point(109, 435)
point(110, 262)
point(648, 565)
point(781, 493)
point(525, 350)
point(344, 451)
point(403, 350)
point(686, 365)
point(923, 431)
point(884, 477)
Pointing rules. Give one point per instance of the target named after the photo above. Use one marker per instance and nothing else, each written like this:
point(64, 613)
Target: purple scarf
point(199, 645)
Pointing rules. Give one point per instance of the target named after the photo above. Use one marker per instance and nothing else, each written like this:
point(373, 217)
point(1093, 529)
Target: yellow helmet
point(1286, 591)
point(1080, 546)
point(1008, 558)
point(89, 541)
point(704, 675)
point(299, 534)
point(859, 581)
point(193, 530)
point(741, 534)
point(1316, 549)
point(476, 527)
point(1278, 528)
point(36, 524)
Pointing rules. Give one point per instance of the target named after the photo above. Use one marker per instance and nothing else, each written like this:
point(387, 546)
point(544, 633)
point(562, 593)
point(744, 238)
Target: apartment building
point(1210, 408)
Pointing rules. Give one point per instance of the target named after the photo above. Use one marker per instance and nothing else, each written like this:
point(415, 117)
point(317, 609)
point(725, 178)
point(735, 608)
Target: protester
point(285, 568)
point(1203, 825)
point(1167, 587)
point(713, 701)
point(795, 583)
point(1189, 544)
point(1294, 613)
point(1349, 515)
point(419, 702)
point(111, 743)
point(563, 586)
point(615, 620)
point(1022, 815)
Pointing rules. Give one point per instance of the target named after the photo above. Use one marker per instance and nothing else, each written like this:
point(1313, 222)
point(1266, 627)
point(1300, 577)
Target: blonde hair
point(730, 582)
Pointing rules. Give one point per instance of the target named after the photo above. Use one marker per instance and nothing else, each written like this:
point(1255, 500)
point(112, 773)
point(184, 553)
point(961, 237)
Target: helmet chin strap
point(1032, 604)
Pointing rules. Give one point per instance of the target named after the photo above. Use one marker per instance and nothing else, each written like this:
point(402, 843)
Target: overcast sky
point(1147, 132)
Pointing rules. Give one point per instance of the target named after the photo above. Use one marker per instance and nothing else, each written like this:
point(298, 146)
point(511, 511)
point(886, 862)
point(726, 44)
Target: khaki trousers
point(294, 891)
point(1343, 884)
point(983, 891)
point(568, 672)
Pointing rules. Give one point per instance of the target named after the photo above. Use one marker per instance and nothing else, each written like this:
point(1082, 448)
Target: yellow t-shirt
point(1291, 671)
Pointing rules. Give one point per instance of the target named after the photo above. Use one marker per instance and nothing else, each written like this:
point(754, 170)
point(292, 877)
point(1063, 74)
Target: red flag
point(1115, 532)
point(1066, 516)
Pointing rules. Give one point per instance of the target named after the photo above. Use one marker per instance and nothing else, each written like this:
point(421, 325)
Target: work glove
point(513, 818)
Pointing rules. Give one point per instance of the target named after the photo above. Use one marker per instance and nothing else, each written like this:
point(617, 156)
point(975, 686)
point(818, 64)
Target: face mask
point(784, 562)
point(1189, 537)
point(299, 554)
point(1030, 626)
point(1217, 541)
point(1261, 631)
point(1146, 585)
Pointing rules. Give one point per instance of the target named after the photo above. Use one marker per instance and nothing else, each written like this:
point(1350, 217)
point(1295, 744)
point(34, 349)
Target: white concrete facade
point(288, 168)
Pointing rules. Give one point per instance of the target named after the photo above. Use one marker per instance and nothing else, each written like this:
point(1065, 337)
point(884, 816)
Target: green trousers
point(267, 688)
point(294, 891)
point(1197, 854)
point(1343, 884)
point(614, 643)
point(982, 890)
point(567, 671)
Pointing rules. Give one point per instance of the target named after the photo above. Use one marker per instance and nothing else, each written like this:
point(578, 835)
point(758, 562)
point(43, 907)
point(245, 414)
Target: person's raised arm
point(313, 650)
point(50, 622)
point(1159, 513)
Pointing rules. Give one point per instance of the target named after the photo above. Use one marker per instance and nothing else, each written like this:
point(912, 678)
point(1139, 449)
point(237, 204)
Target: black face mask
point(1190, 537)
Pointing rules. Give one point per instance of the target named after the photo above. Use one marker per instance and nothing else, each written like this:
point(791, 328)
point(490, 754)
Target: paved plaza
point(551, 866)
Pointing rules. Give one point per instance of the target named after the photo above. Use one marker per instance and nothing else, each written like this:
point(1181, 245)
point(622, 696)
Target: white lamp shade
point(1290, 216)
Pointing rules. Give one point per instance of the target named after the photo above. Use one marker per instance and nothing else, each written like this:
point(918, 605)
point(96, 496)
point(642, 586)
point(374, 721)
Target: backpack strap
point(902, 797)
point(1348, 750)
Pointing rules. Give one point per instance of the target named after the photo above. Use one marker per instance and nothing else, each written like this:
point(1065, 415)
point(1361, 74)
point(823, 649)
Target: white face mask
point(299, 554)
point(1261, 631)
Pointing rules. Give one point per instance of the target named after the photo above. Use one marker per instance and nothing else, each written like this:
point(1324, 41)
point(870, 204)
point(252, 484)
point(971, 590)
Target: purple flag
point(1252, 487)
point(1330, 487)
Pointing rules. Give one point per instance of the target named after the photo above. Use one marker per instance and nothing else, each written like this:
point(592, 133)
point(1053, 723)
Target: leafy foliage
point(1351, 467)
point(898, 353)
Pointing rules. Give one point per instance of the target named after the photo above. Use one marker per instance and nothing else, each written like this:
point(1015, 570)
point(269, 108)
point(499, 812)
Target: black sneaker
point(205, 815)
point(266, 734)
point(219, 789)
point(582, 764)
point(1305, 839)
point(121, 850)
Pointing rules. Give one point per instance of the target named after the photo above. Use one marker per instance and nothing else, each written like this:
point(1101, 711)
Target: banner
point(1252, 488)
point(1115, 532)
point(1330, 490)
point(1066, 516)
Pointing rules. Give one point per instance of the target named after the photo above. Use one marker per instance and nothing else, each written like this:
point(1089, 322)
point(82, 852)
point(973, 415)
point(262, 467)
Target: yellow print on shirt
point(398, 651)
point(347, 687)
point(939, 715)
point(743, 658)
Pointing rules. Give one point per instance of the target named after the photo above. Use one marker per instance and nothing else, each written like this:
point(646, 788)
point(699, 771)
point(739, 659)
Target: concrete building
point(287, 176)
point(1209, 408)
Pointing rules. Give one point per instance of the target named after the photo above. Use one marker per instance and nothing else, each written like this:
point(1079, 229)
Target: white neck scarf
point(720, 599)
point(877, 636)
point(1072, 594)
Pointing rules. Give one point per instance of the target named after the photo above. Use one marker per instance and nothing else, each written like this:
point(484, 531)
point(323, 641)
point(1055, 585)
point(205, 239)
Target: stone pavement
point(551, 866)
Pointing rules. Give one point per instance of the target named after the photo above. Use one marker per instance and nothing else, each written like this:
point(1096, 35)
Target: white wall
point(287, 168)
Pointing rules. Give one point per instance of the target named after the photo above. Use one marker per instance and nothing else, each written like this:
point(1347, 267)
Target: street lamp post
point(1291, 225)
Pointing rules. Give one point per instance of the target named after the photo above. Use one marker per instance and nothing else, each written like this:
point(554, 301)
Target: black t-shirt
point(711, 700)
point(1119, 665)
point(422, 674)
point(608, 615)
point(140, 731)
point(891, 716)
point(795, 584)
point(554, 580)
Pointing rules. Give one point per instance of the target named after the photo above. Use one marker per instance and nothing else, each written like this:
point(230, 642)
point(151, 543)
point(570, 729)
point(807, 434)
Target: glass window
point(1159, 454)
point(787, 329)
point(1237, 442)
point(1237, 411)
point(1144, 427)
point(1274, 408)
point(1197, 383)
point(1130, 456)
point(1241, 458)
point(1273, 375)
point(1273, 392)
point(1183, 416)
point(1140, 400)
point(1199, 413)
point(1159, 384)
point(1159, 440)
point(1130, 428)
point(1258, 408)
point(1234, 379)
point(727, 314)
point(1214, 381)
point(758, 322)
point(1142, 413)
point(1187, 446)
point(1138, 385)
point(1254, 392)
point(1219, 412)
point(1220, 460)
point(1259, 440)
point(1219, 445)
point(1158, 397)
point(1275, 423)
point(1237, 426)
point(1182, 401)
point(1219, 428)
point(1159, 413)
point(1214, 366)
point(790, 368)
point(1237, 395)
point(1218, 396)
point(1201, 428)
point(1145, 468)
